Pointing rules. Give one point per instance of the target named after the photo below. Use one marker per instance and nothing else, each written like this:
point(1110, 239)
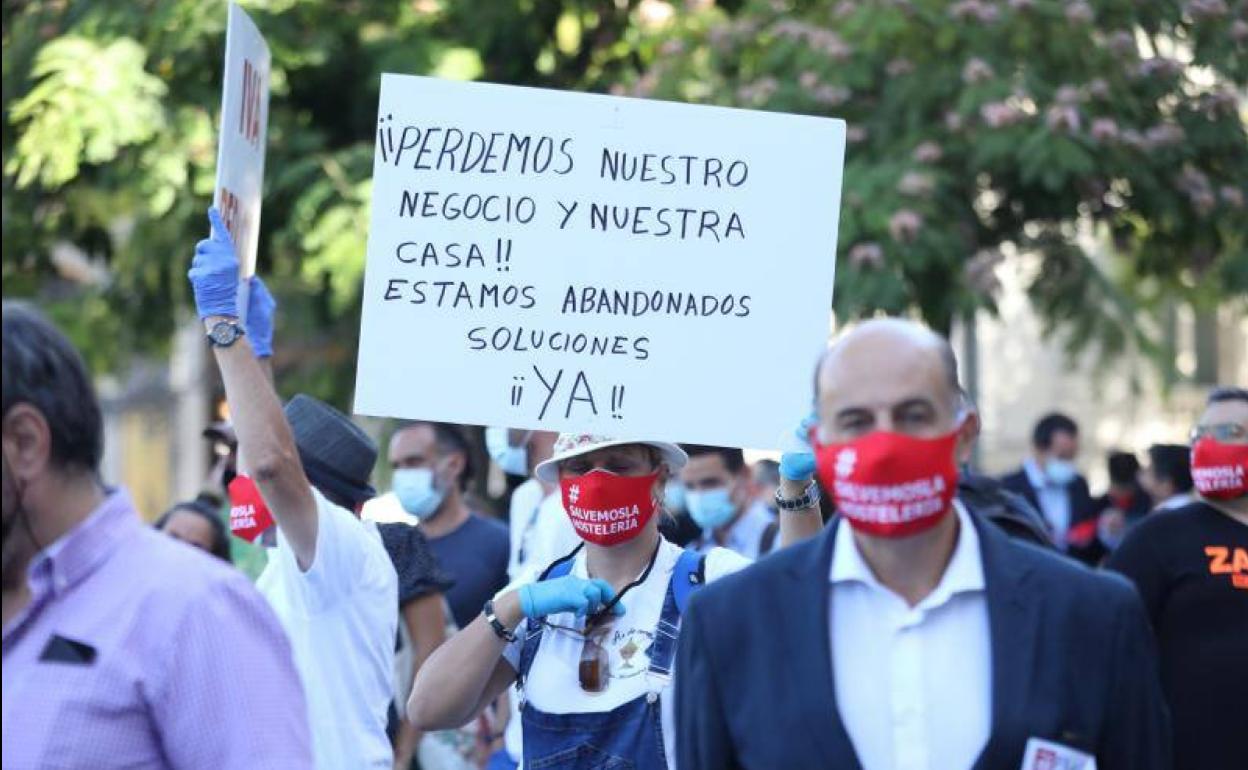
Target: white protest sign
point(561, 261)
point(244, 125)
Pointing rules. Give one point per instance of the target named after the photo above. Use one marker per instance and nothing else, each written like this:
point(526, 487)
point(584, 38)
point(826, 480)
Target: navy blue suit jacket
point(1073, 660)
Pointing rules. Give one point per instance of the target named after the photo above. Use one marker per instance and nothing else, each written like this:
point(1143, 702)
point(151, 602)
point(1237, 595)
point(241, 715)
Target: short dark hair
point(1227, 393)
point(1049, 426)
point(1172, 462)
point(205, 510)
point(449, 438)
point(1124, 467)
point(42, 368)
point(734, 459)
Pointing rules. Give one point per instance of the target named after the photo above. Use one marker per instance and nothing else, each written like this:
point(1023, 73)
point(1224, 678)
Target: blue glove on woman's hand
point(214, 272)
point(566, 594)
point(799, 464)
point(260, 307)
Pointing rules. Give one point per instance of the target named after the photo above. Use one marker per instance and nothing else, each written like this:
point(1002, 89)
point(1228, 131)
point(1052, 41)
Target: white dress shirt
point(913, 684)
point(1054, 500)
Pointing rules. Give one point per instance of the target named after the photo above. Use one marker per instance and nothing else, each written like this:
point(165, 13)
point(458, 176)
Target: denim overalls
point(630, 736)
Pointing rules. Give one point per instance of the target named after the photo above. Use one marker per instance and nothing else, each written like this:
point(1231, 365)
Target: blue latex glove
point(799, 464)
point(566, 594)
point(260, 307)
point(214, 272)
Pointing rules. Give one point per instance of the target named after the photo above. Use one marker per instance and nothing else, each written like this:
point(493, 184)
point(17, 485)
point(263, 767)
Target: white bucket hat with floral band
point(570, 445)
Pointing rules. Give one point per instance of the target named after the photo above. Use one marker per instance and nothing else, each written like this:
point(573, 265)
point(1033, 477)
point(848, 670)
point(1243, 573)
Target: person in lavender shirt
point(122, 647)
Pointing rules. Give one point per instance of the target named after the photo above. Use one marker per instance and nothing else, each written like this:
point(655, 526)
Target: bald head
point(888, 374)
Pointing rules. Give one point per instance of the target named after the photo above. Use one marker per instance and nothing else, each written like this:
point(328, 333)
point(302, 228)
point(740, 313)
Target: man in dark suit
point(1050, 481)
point(909, 633)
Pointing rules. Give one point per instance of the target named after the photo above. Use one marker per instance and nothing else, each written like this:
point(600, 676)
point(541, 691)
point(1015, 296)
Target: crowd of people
point(869, 601)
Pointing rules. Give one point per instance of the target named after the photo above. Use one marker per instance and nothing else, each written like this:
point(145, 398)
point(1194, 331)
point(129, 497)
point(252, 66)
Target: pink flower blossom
point(1232, 196)
point(843, 9)
point(1000, 114)
point(855, 134)
point(1022, 5)
point(673, 47)
point(1104, 129)
point(953, 122)
point(1201, 10)
point(866, 256)
point(976, 71)
point(1062, 118)
point(1239, 30)
point(1121, 43)
point(808, 79)
point(758, 91)
point(980, 272)
point(1165, 134)
point(1079, 12)
point(915, 184)
point(975, 10)
point(828, 42)
point(832, 96)
point(1159, 66)
point(927, 152)
point(1067, 94)
point(904, 225)
point(1098, 89)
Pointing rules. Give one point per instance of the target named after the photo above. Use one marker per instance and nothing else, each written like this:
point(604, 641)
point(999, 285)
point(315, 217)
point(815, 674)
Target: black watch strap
point(499, 629)
point(806, 501)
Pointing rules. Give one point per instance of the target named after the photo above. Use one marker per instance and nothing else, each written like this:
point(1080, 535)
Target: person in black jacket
point(909, 627)
point(1050, 481)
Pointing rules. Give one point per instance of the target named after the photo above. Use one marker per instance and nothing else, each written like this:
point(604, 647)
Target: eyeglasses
point(1226, 432)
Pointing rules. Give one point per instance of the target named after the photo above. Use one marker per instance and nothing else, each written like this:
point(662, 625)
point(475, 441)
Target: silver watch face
point(224, 333)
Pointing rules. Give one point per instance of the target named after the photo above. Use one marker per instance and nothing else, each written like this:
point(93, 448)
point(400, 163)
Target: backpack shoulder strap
point(561, 566)
point(689, 575)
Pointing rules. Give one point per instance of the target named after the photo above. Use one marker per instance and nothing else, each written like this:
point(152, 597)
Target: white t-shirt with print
point(553, 684)
point(341, 616)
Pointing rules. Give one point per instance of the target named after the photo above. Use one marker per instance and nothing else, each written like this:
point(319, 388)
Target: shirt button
point(651, 697)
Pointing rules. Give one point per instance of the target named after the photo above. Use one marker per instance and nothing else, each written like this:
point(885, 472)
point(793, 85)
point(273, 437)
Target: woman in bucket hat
point(590, 643)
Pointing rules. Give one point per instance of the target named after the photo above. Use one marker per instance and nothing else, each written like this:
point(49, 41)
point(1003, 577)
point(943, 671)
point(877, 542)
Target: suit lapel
point(1013, 612)
point(806, 612)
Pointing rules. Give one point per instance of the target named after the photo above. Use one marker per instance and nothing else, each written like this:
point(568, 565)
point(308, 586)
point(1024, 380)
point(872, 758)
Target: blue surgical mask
point(1060, 472)
point(417, 492)
point(710, 508)
point(513, 460)
point(674, 497)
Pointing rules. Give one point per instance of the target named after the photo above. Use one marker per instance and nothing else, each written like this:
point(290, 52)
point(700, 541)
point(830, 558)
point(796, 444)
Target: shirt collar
point(79, 552)
point(964, 573)
point(1034, 474)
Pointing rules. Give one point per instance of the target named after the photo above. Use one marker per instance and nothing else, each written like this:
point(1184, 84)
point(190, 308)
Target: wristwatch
point(225, 333)
point(806, 500)
point(499, 629)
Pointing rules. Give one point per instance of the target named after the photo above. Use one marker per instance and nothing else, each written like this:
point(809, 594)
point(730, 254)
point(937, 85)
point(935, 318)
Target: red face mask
point(1220, 471)
point(890, 484)
point(607, 509)
point(249, 516)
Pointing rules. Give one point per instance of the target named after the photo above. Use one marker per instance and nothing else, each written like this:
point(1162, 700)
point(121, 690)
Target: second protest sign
point(560, 261)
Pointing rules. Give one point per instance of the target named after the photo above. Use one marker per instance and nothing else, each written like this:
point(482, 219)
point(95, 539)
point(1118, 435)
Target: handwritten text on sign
point(244, 123)
point(645, 269)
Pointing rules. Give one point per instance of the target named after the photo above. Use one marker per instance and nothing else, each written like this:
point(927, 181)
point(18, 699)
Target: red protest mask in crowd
point(1220, 471)
point(890, 484)
point(249, 516)
point(607, 509)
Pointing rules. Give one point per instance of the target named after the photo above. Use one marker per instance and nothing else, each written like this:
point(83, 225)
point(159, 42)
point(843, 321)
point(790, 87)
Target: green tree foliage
point(979, 127)
point(975, 126)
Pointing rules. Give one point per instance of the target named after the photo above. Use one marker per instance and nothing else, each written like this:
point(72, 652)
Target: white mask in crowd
point(710, 508)
point(513, 460)
point(417, 492)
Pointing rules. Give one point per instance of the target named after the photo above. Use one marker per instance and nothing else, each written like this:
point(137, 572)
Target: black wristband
point(499, 629)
